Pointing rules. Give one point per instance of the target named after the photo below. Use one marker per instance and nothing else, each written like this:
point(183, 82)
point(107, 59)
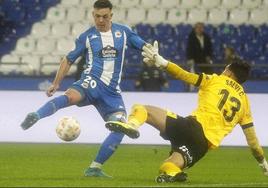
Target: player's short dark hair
point(99, 4)
point(241, 69)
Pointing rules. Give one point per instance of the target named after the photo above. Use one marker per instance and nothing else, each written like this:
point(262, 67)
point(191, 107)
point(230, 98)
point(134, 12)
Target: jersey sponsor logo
point(118, 34)
point(108, 52)
point(187, 154)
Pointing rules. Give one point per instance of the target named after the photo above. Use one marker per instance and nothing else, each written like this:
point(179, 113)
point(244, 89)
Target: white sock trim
point(95, 165)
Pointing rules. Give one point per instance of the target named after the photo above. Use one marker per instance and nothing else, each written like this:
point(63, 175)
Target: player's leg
point(140, 114)
point(111, 108)
point(189, 145)
point(107, 148)
point(70, 97)
point(171, 169)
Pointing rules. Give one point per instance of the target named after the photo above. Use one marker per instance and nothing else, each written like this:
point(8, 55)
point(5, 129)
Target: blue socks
point(109, 146)
point(52, 106)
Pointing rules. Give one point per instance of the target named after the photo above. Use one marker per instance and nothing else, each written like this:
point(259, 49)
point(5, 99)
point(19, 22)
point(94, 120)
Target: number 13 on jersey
point(228, 111)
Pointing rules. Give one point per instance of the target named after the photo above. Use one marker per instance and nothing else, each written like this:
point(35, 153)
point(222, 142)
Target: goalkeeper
point(222, 104)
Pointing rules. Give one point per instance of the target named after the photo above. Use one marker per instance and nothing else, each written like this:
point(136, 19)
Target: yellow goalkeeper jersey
point(222, 103)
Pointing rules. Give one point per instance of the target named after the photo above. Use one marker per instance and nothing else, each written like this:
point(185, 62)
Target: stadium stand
point(210, 4)
point(37, 33)
point(189, 4)
point(249, 4)
point(197, 15)
point(217, 16)
point(152, 19)
point(149, 4)
point(229, 5)
point(238, 16)
point(176, 16)
point(119, 15)
point(129, 4)
point(169, 4)
point(136, 16)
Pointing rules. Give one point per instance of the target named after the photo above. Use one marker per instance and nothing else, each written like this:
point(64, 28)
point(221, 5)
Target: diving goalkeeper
point(222, 104)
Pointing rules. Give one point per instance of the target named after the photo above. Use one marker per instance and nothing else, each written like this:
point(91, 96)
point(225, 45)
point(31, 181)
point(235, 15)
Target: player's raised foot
point(30, 120)
point(164, 178)
point(121, 127)
point(96, 172)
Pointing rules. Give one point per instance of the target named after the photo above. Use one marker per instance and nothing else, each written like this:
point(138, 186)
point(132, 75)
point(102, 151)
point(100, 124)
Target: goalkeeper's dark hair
point(99, 4)
point(241, 69)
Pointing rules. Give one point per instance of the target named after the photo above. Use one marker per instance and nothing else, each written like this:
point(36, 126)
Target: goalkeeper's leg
point(171, 170)
point(139, 115)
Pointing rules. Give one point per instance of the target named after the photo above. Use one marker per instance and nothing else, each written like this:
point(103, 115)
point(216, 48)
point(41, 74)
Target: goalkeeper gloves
point(151, 56)
point(264, 167)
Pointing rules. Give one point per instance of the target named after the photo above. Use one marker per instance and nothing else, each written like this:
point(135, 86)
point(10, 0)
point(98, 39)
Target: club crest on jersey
point(118, 34)
point(108, 52)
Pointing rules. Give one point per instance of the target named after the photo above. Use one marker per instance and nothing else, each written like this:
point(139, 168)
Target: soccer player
point(104, 49)
point(222, 104)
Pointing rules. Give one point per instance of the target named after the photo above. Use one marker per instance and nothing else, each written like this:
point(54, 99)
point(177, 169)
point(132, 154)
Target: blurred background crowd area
point(36, 34)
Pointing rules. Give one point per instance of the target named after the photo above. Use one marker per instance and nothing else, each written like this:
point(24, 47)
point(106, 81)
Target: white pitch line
point(178, 184)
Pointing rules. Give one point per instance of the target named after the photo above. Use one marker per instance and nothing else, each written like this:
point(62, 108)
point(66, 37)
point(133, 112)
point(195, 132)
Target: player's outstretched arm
point(62, 71)
point(256, 149)
point(151, 56)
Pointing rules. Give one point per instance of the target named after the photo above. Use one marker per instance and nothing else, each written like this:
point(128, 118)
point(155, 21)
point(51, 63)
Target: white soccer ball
point(68, 129)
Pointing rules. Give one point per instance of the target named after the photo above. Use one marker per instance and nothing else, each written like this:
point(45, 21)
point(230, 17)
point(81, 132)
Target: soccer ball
point(68, 129)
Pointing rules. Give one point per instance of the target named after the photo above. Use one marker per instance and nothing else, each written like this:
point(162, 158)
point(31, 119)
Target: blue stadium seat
point(163, 32)
point(131, 71)
point(7, 45)
point(34, 14)
point(22, 31)
point(262, 34)
point(235, 43)
point(182, 31)
point(128, 85)
point(218, 56)
point(263, 30)
point(48, 3)
point(16, 14)
point(226, 32)
point(30, 3)
point(144, 30)
point(247, 32)
point(179, 58)
point(210, 30)
point(10, 4)
point(265, 54)
point(261, 60)
point(253, 49)
point(169, 47)
point(226, 29)
point(133, 56)
point(17, 17)
point(182, 45)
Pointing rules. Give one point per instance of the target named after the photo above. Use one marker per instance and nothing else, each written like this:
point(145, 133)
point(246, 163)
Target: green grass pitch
point(62, 165)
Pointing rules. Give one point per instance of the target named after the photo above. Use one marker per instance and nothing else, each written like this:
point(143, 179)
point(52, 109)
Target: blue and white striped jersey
point(105, 53)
